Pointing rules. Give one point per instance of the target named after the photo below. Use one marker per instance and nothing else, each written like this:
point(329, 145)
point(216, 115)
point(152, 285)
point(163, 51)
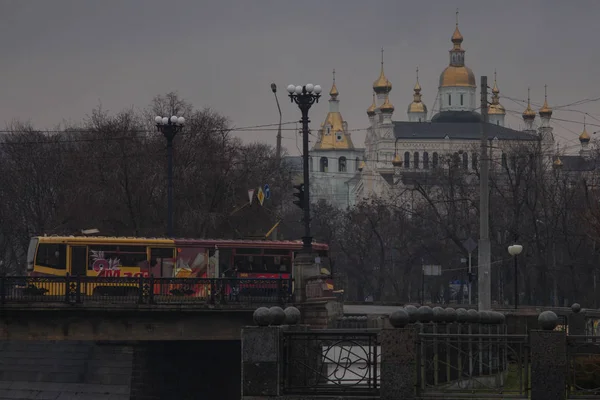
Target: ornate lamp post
point(305, 97)
point(169, 127)
point(514, 251)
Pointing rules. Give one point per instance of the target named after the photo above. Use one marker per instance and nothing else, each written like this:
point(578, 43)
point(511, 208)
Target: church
point(343, 174)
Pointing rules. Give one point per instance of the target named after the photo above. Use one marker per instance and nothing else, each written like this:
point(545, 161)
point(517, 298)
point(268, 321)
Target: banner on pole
point(250, 195)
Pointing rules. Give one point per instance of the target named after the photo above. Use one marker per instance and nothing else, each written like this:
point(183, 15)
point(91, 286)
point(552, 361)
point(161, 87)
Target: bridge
point(142, 309)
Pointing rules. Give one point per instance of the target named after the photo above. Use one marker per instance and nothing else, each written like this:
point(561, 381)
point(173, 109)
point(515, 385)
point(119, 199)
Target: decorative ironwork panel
point(331, 362)
point(481, 362)
point(583, 365)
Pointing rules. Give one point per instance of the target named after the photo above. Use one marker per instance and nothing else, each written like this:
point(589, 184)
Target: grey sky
point(62, 58)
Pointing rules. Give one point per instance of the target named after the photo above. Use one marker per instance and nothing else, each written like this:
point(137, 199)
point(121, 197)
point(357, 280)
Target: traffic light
point(299, 195)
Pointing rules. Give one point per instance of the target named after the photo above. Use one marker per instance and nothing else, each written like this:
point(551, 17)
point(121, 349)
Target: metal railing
point(331, 362)
point(473, 362)
point(583, 367)
point(143, 290)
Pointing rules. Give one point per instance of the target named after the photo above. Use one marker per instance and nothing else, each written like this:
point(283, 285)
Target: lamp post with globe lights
point(514, 250)
point(305, 97)
point(169, 127)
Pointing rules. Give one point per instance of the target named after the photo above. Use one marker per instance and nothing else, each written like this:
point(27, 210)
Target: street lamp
point(169, 127)
point(274, 90)
point(514, 250)
point(305, 97)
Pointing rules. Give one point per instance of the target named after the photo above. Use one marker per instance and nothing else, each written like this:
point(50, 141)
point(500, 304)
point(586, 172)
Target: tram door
point(162, 262)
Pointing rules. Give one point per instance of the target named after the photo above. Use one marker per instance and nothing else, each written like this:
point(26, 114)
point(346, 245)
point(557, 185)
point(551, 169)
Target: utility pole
point(484, 256)
point(278, 150)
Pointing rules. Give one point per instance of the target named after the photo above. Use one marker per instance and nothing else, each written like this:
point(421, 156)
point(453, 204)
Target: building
point(334, 160)
point(397, 151)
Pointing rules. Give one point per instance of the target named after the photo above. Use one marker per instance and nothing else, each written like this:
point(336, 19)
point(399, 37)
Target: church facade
point(344, 175)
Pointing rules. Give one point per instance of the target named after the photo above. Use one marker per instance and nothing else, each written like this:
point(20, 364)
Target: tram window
point(277, 264)
point(52, 256)
point(127, 256)
point(248, 263)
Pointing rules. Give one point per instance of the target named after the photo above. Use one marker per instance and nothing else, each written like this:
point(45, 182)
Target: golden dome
point(382, 84)
point(584, 137)
point(457, 76)
point(528, 114)
point(545, 111)
point(417, 106)
point(496, 108)
point(457, 37)
point(372, 108)
point(334, 91)
point(558, 163)
point(387, 107)
point(361, 166)
point(397, 162)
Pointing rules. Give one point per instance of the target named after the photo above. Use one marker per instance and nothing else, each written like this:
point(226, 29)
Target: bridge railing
point(331, 362)
point(144, 290)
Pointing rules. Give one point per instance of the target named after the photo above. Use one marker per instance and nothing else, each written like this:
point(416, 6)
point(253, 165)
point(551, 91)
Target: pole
point(470, 278)
point(278, 149)
point(516, 284)
point(170, 187)
point(307, 239)
point(422, 285)
point(484, 256)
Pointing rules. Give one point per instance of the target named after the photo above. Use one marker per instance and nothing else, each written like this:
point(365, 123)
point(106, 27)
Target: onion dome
point(397, 162)
point(417, 105)
point(372, 108)
point(382, 85)
point(334, 91)
point(557, 163)
point(528, 114)
point(387, 107)
point(584, 137)
point(545, 111)
point(496, 108)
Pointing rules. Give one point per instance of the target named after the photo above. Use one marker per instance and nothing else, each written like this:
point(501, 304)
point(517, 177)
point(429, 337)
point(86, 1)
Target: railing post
point(213, 289)
point(548, 360)
point(151, 289)
point(280, 298)
point(141, 290)
point(78, 288)
point(3, 289)
point(398, 359)
point(67, 288)
point(261, 361)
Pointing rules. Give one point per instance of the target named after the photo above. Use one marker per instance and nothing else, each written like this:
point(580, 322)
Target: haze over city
point(65, 57)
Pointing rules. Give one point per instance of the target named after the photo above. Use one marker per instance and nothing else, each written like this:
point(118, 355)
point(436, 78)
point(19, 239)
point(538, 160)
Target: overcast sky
point(62, 58)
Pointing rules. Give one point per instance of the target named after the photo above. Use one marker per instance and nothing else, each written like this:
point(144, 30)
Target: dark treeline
point(109, 172)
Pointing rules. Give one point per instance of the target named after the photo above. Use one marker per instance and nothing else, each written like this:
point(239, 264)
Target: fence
point(331, 362)
point(446, 354)
point(143, 290)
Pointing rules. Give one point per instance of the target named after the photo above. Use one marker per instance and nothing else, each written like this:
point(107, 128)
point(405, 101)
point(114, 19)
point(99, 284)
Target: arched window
point(407, 160)
point(455, 160)
point(324, 164)
point(465, 160)
point(435, 159)
point(474, 161)
point(462, 99)
point(513, 163)
point(357, 164)
point(425, 160)
point(342, 164)
point(504, 163)
point(449, 99)
point(416, 159)
point(310, 162)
